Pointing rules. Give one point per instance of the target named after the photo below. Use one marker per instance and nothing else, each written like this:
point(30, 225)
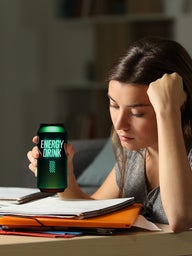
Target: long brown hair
point(145, 61)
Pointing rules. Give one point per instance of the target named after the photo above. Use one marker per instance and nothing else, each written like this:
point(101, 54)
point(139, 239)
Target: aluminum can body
point(52, 163)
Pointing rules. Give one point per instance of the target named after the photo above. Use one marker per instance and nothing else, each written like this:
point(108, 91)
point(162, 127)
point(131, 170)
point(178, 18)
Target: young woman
point(150, 101)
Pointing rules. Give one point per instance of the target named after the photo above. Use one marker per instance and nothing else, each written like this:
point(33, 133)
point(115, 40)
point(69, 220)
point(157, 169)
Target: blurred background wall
point(54, 57)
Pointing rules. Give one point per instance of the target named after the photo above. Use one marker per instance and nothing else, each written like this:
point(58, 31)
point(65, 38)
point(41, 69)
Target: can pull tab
point(52, 168)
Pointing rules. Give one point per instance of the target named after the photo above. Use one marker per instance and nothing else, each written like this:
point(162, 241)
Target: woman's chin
point(129, 146)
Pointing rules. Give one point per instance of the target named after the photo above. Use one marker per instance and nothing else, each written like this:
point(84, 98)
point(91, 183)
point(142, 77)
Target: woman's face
point(132, 115)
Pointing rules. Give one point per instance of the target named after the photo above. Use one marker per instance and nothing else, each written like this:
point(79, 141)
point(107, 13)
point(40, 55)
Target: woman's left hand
point(166, 93)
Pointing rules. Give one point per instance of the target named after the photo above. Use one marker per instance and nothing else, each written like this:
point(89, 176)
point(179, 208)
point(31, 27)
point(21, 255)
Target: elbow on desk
point(178, 225)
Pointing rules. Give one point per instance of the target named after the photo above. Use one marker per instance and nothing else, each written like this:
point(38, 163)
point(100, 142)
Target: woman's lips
point(125, 138)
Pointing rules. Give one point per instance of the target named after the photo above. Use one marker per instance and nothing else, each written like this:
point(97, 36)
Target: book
point(56, 207)
point(49, 233)
point(18, 195)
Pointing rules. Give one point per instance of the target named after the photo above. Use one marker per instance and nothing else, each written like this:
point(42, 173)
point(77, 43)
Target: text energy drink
point(52, 164)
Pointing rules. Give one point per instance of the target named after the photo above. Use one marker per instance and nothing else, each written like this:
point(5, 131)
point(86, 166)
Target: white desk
point(133, 243)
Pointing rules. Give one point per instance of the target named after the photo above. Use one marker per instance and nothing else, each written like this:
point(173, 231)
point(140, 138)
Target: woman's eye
point(137, 114)
point(113, 106)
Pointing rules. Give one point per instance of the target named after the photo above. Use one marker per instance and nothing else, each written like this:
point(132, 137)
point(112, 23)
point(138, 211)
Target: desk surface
point(132, 243)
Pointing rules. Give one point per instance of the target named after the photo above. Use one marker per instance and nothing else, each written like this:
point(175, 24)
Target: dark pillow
point(97, 171)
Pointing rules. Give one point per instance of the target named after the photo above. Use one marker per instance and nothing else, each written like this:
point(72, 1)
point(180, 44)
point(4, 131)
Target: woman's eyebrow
point(110, 98)
point(135, 105)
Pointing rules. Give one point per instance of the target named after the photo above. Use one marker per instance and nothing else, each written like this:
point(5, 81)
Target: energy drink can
point(52, 164)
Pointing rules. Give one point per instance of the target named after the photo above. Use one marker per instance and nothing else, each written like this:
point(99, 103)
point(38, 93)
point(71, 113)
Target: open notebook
point(56, 207)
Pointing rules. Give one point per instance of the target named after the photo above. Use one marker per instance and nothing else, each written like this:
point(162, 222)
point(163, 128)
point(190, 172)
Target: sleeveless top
point(135, 184)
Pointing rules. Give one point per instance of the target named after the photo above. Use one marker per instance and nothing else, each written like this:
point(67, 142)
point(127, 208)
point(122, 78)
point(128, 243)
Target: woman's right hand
point(73, 190)
point(33, 155)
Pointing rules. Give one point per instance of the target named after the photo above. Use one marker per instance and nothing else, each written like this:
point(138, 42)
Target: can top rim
point(52, 128)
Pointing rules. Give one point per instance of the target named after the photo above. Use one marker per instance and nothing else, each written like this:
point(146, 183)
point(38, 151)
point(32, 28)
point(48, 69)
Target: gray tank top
point(135, 184)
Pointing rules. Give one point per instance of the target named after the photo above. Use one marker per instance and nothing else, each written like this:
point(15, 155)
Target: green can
point(52, 163)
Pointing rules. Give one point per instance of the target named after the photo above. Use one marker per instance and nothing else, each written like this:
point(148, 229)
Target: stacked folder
point(123, 218)
point(52, 214)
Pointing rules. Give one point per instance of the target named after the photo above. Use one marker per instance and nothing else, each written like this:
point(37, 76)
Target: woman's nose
point(122, 122)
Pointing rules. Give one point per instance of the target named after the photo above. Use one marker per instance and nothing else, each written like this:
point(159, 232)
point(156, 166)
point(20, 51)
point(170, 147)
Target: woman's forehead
point(128, 93)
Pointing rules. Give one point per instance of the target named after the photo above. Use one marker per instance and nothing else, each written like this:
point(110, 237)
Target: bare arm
point(175, 176)
point(109, 189)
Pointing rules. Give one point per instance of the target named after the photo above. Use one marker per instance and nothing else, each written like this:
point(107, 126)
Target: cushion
point(85, 152)
point(97, 171)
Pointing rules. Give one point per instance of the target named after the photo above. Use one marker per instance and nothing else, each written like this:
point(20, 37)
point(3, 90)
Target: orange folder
point(123, 218)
